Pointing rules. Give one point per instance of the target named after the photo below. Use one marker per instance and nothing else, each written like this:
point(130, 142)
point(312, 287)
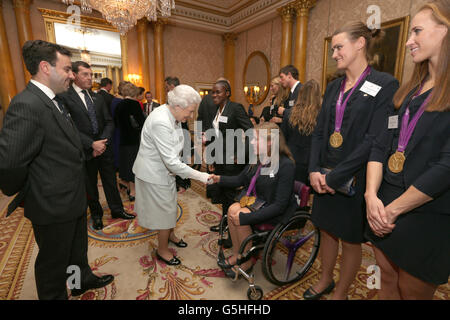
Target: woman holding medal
point(271, 188)
point(408, 199)
point(354, 109)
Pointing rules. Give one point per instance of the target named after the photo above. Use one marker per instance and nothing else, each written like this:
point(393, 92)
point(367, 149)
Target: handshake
point(213, 179)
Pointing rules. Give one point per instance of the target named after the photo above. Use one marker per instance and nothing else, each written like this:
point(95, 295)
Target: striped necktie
point(91, 111)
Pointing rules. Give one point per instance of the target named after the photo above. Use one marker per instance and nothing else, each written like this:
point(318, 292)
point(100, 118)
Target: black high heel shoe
point(130, 197)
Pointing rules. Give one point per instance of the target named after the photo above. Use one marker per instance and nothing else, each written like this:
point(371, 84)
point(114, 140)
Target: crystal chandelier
point(124, 14)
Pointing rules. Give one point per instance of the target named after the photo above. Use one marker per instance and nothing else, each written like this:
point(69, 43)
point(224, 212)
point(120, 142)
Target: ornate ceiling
point(224, 15)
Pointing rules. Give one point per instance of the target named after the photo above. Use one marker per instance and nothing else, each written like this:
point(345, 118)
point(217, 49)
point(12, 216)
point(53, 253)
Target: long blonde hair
point(440, 96)
point(283, 148)
point(283, 93)
point(304, 114)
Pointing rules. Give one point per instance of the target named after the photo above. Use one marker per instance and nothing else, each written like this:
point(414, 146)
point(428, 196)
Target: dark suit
point(149, 107)
point(41, 157)
point(290, 102)
point(108, 97)
point(206, 112)
point(237, 118)
point(103, 163)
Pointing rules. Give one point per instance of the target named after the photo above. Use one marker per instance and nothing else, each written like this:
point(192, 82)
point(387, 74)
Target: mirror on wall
point(256, 78)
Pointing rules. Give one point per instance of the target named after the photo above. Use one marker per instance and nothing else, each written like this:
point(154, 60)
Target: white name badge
point(370, 88)
point(393, 122)
point(272, 175)
point(223, 119)
point(291, 103)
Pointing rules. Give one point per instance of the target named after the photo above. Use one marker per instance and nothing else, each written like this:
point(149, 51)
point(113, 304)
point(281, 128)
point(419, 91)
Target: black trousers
point(104, 165)
point(60, 246)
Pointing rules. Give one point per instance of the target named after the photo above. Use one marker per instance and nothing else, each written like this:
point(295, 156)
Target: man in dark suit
point(105, 89)
point(93, 120)
point(289, 79)
point(150, 105)
point(41, 158)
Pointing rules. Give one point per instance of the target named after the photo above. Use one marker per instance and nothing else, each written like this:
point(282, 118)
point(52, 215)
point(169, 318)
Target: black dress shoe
point(215, 228)
point(122, 215)
point(97, 223)
point(172, 262)
point(179, 244)
point(311, 294)
point(98, 282)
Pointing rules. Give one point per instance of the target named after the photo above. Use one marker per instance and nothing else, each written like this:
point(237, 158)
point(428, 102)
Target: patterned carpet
point(126, 250)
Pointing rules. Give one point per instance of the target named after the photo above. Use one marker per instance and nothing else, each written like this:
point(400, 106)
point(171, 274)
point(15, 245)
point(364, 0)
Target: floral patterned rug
point(127, 251)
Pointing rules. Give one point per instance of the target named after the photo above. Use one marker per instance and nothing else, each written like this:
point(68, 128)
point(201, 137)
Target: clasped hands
point(98, 147)
point(380, 218)
point(319, 183)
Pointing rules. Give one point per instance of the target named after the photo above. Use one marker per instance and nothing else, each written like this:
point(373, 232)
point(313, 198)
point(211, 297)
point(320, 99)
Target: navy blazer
point(81, 118)
point(276, 190)
point(292, 97)
point(427, 165)
point(368, 116)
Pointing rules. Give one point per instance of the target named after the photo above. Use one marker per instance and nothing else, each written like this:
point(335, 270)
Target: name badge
point(223, 119)
point(291, 103)
point(370, 88)
point(393, 122)
point(272, 175)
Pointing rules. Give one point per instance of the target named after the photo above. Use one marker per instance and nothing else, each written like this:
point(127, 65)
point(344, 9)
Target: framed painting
point(389, 55)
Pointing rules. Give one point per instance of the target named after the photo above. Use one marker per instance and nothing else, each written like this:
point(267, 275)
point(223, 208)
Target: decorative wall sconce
point(134, 79)
point(203, 92)
point(254, 93)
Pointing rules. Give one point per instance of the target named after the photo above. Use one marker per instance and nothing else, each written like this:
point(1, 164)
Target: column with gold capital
point(229, 55)
point(124, 56)
point(158, 28)
point(7, 81)
point(144, 63)
point(23, 22)
point(287, 18)
point(302, 8)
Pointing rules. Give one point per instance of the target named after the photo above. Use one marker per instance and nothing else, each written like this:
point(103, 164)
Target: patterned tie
point(91, 111)
point(58, 102)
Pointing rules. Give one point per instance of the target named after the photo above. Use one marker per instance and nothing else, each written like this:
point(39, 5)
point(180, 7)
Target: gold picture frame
point(396, 35)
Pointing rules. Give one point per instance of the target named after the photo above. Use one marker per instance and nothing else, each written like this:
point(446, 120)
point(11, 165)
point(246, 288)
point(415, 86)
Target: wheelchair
point(289, 248)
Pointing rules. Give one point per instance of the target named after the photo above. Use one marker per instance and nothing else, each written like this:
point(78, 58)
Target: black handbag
point(134, 124)
point(348, 188)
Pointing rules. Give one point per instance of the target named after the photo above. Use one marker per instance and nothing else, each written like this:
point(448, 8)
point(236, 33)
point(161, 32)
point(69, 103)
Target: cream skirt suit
point(155, 167)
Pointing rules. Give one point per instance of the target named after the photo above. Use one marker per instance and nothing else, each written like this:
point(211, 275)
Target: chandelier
point(124, 14)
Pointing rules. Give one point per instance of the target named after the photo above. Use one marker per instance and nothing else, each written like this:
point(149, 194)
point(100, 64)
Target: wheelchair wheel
point(255, 293)
point(291, 250)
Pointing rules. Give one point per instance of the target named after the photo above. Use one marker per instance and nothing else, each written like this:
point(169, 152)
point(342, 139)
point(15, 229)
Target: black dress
point(300, 146)
point(129, 118)
point(420, 241)
point(364, 116)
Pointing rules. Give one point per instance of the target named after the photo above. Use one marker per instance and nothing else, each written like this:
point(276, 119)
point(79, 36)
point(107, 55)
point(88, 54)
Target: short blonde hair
point(130, 90)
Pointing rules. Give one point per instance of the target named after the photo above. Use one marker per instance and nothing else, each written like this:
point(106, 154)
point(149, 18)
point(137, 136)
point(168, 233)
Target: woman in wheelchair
point(267, 196)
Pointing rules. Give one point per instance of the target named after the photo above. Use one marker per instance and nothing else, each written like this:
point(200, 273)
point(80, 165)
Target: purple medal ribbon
point(408, 127)
point(340, 107)
point(252, 187)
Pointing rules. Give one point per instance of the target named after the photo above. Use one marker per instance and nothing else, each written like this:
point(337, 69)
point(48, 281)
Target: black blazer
point(125, 109)
point(276, 190)
point(427, 165)
point(369, 115)
point(299, 145)
point(292, 97)
point(81, 118)
point(206, 112)
point(107, 97)
point(42, 158)
point(237, 118)
point(148, 109)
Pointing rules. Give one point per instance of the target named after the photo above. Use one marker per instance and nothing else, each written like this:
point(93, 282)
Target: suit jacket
point(236, 118)
point(290, 102)
point(206, 112)
point(427, 165)
point(107, 97)
point(158, 159)
point(125, 109)
point(150, 106)
point(81, 118)
point(369, 114)
point(42, 158)
point(277, 190)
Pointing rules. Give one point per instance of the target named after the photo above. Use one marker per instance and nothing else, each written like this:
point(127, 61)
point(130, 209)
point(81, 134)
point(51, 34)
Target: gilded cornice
point(302, 7)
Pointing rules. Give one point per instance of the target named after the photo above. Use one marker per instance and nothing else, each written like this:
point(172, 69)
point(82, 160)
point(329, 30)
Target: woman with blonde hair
point(408, 174)
point(298, 125)
point(278, 95)
point(355, 107)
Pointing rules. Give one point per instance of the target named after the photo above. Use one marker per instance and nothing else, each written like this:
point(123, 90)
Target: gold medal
point(247, 201)
point(336, 139)
point(396, 162)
